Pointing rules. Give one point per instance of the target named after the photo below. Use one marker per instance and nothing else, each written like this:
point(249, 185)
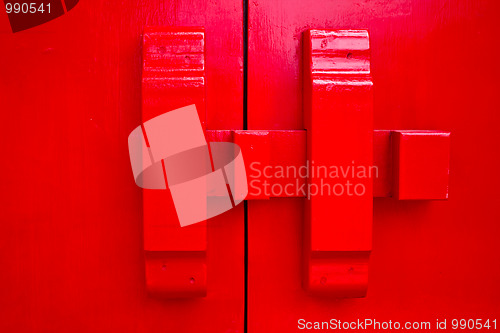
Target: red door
point(72, 229)
point(427, 74)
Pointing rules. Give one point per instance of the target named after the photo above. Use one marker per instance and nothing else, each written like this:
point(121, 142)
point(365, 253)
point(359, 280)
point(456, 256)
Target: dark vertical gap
point(245, 64)
point(245, 127)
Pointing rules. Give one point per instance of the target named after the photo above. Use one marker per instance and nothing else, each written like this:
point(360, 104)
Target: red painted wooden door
point(71, 233)
point(430, 260)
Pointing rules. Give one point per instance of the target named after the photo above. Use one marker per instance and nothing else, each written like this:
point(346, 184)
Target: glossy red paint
point(338, 117)
point(173, 76)
point(421, 164)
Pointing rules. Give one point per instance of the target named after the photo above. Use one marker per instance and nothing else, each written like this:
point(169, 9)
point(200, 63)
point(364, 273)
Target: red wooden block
point(273, 159)
point(255, 147)
point(288, 161)
point(421, 164)
point(338, 118)
point(173, 75)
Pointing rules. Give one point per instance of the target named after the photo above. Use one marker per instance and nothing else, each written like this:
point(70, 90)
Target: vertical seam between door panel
point(245, 127)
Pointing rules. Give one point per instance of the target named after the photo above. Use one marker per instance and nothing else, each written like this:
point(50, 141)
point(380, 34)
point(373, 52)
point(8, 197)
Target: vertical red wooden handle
point(173, 76)
point(338, 119)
